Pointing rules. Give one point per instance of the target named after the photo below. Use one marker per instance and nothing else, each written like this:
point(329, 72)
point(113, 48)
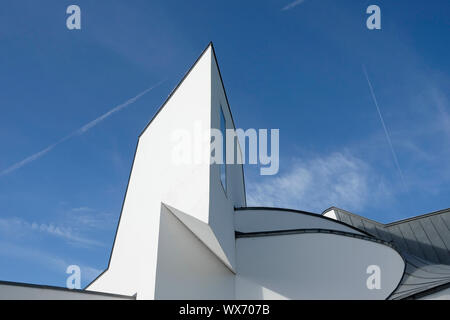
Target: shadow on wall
point(186, 268)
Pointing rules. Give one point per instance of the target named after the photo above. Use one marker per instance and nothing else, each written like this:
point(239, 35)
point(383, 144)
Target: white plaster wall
point(222, 203)
point(331, 214)
point(186, 268)
point(18, 292)
point(313, 266)
point(273, 220)
point(155, 179)
point(235, 173)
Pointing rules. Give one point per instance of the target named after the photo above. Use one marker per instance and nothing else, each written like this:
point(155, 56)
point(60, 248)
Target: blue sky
point(298, 69)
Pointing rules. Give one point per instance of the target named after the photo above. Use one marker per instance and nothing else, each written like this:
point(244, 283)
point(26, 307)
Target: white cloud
point(32, 254)
point(89, 218)
point(292, 5)
point(49, 261)
point(82, 209)
point(316, 184)
point(19, 228)
point(18, 240)
point(65, 233)
point(442, 105)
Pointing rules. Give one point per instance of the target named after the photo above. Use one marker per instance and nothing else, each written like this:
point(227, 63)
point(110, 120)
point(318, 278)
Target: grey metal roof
point(426, 236)
point(420, 276)
point(424, 243)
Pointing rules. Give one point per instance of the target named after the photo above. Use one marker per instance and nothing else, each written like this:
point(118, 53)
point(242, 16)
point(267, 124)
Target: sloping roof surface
point(424, 243)
point(420, 276)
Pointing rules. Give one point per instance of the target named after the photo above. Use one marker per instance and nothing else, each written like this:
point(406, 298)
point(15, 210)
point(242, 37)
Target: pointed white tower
point(176, 223)
point(185, 231)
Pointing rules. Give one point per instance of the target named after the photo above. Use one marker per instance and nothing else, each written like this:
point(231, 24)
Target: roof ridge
point(354, 214)
point(425, 215)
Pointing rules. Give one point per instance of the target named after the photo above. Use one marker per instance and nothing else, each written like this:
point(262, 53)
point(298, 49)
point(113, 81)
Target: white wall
point(176, 237)
point(186, 268)
point(331, 214)
point(273, 220)
point(222, 203)
point(313, 266)
point(27, 292)
point(235, 173)
point(155, 178)
point(192, 191)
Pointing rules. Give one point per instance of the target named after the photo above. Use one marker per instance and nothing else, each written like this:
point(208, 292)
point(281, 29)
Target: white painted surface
point(193, 190)
point(27, 292)
point(313, 266)
point(176, 234)
point(222, 203)
point(273, 220)
point(331, 214)
point(204, 232)
point(186, 268)
point(155, 179)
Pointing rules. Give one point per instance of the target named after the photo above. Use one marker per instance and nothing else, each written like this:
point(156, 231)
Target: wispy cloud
point(427, 146)
point(82, 209)
point(317, 183)
point(24, 240)
point(65, 233)
point(34, 256)
point(386, 132)
point(19, 227)
point(87, 218)
point(292, 5)
point(442, 106)
point(77, 132)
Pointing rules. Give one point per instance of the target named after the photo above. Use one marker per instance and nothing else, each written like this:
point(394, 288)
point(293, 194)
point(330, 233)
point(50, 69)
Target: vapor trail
point(77, 132)
point(388, 137)
point(292, 5)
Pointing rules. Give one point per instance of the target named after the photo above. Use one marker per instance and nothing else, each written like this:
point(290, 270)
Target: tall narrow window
point(223, 166)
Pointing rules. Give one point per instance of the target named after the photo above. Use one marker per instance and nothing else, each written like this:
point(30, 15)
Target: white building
point(185, 231)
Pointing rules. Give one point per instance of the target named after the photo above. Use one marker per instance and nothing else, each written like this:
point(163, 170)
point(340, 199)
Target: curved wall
point(313, 266)
point(267, 219)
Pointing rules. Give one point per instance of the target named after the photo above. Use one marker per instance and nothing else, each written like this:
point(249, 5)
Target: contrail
point(292, 5)
point(388, 138)
point(77, 132)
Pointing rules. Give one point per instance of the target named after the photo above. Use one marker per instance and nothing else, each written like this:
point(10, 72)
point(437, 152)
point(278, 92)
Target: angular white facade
point(191, 193)
point(183, 234)
point(180, 237)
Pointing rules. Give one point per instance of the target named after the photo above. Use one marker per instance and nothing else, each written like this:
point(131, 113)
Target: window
point(223, 166)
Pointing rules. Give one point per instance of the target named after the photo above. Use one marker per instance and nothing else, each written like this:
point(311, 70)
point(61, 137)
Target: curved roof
point(424, 243)
point(421, 276)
